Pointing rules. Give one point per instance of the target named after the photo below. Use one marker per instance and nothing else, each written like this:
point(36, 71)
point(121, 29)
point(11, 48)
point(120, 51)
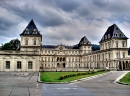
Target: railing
point(6, 52)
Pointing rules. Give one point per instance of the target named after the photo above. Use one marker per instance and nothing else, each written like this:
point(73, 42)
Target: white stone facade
point(32, 56)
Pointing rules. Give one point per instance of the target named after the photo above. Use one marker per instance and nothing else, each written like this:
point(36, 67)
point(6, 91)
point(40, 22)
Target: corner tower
point(31, 38)
point(113, 38)
point(85, 45)
point(114, 41)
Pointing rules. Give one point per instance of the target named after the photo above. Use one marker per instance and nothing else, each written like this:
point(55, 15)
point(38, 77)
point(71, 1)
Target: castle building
point(33, 56)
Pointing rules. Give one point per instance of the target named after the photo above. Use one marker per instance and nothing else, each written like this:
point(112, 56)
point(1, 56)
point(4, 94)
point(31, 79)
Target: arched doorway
point(58, 65)
point(63, 65)
point(120, 67)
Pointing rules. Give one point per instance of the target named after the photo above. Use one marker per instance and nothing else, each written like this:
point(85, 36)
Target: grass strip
point(126, 78)
point(55, 76)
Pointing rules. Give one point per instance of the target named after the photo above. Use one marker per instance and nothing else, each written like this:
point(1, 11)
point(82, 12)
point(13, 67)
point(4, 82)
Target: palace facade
point(33, 56)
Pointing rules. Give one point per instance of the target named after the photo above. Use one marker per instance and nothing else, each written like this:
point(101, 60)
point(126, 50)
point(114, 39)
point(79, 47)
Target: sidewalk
point(19, 85)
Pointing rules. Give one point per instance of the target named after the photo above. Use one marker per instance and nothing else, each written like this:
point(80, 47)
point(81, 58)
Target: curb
point(39, 81)
point(119, 78)
point(83, 79)
point(91, 77)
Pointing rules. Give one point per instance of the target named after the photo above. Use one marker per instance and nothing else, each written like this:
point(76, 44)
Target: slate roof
point(31, 29)
point(54, 46)
point(113, 32)
point(49, 46)
point(84, 41)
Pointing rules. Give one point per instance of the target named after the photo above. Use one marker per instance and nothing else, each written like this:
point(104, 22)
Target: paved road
point(19, 84)
point(104, 86)
point(100, 86)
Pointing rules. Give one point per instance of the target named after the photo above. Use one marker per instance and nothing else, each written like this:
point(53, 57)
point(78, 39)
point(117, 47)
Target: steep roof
point(54, 46)
point(31, 29)
point(84, 41)
point(113, 32)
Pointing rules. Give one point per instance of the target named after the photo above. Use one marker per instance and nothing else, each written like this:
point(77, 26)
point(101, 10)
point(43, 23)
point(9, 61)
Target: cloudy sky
point(64, 21)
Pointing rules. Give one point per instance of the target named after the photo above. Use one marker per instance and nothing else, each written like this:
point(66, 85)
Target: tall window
point(30, 65)
point(106, 45)
point(7, 64)
point(19, 65)
point(123, 44)
point(26, 42)
point(34, 42)
point(117, 44)
point(117, 55)
point(123, 54)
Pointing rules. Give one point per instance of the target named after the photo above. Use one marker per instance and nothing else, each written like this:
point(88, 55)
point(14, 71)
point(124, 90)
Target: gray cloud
point(69, 20)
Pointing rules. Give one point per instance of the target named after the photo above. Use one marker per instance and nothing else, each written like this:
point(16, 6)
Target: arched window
point(109, 45)
point(116, 34)
point(123, 44)
point(106, 45)
point(26, 42)
point(117, 55)
point(63, 59)
point(26, 31)
point(34, 42)
point(35, 31)
point(58, 59)
point(123, 54)
point(116, 44)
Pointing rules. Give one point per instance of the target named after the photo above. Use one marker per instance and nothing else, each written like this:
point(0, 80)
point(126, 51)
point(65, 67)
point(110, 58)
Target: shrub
point(79, 74)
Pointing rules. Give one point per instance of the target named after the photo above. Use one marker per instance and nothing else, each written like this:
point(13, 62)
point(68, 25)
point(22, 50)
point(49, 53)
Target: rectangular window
point(124, 55)
point(18, 64)
point(26, 42)
point(123, 45)
point(30, 66)
point(117, 45)
point(34, 42)
point(7, 64)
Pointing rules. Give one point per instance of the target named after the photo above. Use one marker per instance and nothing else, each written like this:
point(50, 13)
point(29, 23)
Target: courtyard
point(25, 84)
point(19, 84)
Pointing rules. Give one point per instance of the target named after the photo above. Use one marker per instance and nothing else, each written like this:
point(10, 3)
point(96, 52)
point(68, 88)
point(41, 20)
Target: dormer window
point(35, 31)
point(108, 35)
point(105, 36)
point(116, 34)
point(26, 31)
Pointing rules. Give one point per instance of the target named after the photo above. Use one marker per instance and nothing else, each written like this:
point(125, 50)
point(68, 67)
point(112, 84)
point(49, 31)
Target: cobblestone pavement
point(19, 84)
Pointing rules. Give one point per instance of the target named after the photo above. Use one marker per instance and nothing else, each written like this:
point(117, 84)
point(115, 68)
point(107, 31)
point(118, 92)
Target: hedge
point(78, 74)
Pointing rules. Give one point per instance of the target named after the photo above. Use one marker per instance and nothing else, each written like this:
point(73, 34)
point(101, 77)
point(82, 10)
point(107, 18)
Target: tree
point(95, 47)
point(129, 51)
point(12, 45)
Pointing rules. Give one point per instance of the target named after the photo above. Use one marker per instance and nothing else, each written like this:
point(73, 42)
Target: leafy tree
point(12, 45)
point(129, 51)
point(95, 47)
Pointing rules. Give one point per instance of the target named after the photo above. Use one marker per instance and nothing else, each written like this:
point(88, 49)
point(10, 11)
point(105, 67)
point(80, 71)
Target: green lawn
point(54, 76)
point(126, 78)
